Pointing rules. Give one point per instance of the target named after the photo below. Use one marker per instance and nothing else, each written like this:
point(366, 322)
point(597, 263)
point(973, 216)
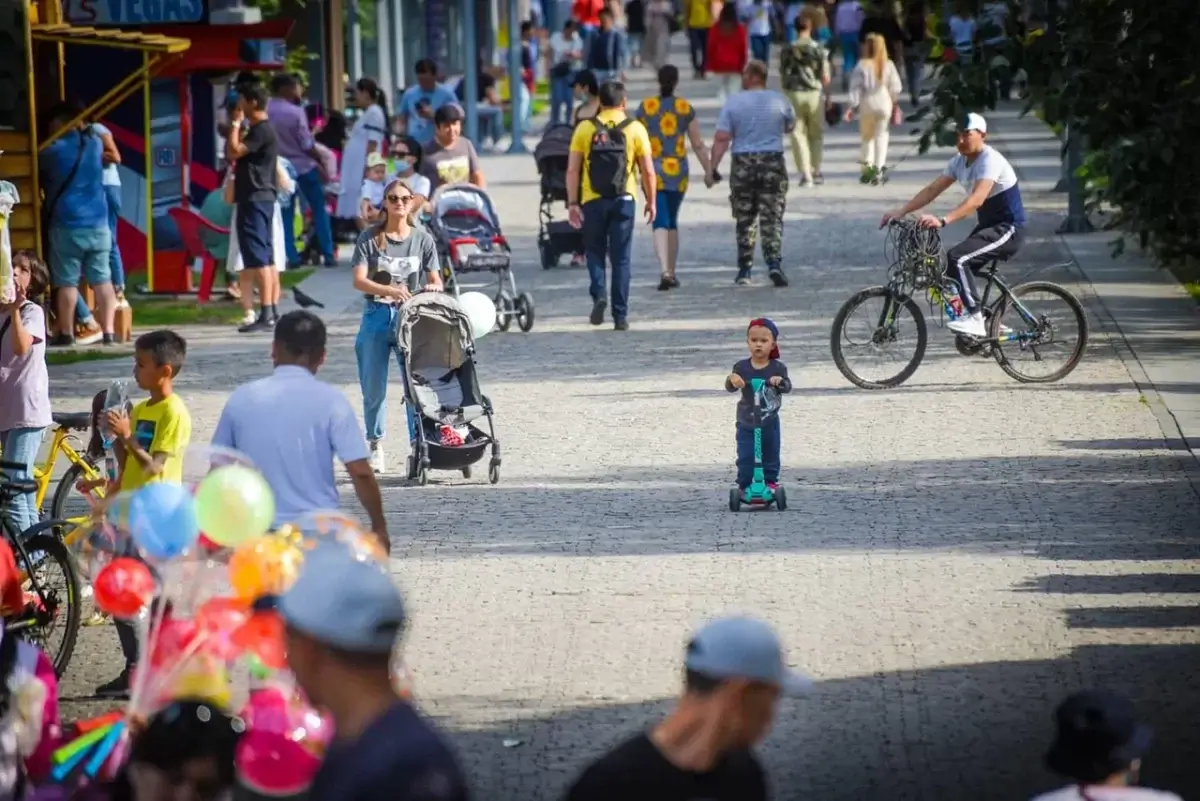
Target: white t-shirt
point(1003, 203)
point(418, 183)
point(1102, 793)
point(372, 192)
point(560, 46)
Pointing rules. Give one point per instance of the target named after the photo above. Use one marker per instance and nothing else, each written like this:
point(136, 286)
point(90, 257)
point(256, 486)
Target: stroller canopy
point(555, 145)
point(435, 331)
point(463, 199)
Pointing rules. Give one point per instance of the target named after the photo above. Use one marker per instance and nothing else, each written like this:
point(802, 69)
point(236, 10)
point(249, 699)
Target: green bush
point(1123, 73)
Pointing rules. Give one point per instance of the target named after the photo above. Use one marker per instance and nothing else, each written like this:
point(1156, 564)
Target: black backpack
point(608, 162)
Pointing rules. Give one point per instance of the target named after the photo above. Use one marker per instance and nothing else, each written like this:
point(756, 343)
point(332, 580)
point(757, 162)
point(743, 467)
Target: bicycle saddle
point(75, 421)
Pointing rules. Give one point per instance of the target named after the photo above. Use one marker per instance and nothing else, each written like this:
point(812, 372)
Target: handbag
point(561, 70)
point(897, 115)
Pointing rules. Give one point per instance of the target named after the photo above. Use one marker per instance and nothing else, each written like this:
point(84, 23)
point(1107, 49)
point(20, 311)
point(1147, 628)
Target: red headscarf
point(767, 323)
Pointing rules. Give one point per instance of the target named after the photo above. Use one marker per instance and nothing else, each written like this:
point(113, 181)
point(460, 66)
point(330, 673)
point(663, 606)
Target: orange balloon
point(265, 565)
point(262, 635)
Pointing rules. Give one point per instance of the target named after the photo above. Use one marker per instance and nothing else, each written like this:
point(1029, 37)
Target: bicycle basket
point(916, 256)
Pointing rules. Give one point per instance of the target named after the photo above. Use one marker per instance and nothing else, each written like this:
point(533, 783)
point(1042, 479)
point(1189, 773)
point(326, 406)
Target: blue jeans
point(374, 348)
point(666, 209)
point(491, 122)
point(561, 99)
point(113, 195)
point(82, 313)
point(309, 188)
point(760, 47)
point(608, 232)
point(849, 51)
point(698, 44)
point(770, 453)
point(21, 447)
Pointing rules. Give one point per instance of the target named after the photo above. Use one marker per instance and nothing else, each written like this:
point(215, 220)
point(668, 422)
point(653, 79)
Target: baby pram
point(555, 237)
point(465, 226)
point(442, 399)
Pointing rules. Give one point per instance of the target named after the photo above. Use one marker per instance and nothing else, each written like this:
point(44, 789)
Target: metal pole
point(1077, 221)
point(397, 41)
point(514, 77)
point(356, 54)
point(471, 75)
point(314, 10)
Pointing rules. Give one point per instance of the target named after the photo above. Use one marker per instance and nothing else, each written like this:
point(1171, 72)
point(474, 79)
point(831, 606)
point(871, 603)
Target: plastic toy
point(766, 406)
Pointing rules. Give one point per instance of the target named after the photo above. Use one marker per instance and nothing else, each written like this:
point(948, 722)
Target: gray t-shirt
point(24, 381)
point(409, 261)
point(450, 165)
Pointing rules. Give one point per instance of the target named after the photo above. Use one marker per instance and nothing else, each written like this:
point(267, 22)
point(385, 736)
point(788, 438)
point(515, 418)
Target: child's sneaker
point(772, 485)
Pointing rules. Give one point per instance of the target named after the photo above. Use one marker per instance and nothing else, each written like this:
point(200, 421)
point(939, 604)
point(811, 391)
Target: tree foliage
point(1123, 75)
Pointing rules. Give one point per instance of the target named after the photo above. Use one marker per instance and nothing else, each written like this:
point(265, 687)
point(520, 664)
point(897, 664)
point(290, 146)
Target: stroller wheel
point(410, 467)
point(524, 311)
point(494, 473)
point(504, 312)
point(466, 471)
point(423, 476)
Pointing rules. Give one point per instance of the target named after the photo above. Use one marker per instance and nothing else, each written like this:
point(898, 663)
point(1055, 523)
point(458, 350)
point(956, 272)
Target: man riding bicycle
point(994, 194)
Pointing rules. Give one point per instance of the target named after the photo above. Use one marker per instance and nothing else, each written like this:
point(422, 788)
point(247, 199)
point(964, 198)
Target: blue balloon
point(162, 520)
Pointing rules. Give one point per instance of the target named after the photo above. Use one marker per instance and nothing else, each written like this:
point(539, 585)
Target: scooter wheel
point(780, 499)
point(735, 500)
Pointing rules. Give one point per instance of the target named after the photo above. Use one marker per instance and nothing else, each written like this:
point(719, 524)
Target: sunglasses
point(401, 154)
point(399, 198)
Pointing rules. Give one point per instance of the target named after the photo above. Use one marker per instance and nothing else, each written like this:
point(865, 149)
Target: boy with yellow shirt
point(150, 442)
point(601, 190)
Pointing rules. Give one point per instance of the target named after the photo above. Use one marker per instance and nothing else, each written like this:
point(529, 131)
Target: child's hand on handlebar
point(775, 380)
point(736, 381)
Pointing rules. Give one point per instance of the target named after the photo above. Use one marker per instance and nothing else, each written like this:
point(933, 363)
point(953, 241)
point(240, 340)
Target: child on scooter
point(762, 337)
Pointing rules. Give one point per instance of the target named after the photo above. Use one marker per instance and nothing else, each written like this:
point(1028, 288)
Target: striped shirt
point(757, 119)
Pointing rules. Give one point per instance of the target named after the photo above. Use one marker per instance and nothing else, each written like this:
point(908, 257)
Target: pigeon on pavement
point(305, 301)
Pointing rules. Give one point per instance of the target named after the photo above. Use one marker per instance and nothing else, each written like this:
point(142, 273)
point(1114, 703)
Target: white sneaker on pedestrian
point(248, 318)
point(378, 460)
point(969, 325)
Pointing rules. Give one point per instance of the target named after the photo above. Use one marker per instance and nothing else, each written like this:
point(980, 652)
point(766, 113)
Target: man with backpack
point(804, 73)
point(606, 150)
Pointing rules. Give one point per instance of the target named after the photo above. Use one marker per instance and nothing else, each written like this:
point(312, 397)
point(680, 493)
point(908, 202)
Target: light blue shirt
point(80, 204)
point(292, 426)
point(111, 175)
point(757, 120)
point(416, 126)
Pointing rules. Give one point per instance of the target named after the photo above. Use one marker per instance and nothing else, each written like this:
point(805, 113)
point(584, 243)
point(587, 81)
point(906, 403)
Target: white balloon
point(481, 310)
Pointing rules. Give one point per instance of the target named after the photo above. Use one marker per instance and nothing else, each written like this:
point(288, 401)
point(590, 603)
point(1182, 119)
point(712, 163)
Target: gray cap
point(344, 602)
point(743, 648)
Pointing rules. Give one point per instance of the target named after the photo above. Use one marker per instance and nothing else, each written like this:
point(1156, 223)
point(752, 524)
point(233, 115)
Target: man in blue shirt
point(994, 196)
point(418, 103)
point(72, 173)
point(344, 617)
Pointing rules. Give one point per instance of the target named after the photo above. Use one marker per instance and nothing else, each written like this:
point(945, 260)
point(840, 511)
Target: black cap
point(1098, 737)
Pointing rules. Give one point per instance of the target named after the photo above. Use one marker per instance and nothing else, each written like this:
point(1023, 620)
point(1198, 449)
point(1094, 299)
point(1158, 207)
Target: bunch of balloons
point(196, 567)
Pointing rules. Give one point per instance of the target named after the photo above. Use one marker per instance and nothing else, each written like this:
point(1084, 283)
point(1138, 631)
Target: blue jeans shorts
point(256, 233)
point(80, 253)
point(666, 210)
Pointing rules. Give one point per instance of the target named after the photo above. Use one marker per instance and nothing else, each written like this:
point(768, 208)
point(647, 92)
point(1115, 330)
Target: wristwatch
point(942, 220)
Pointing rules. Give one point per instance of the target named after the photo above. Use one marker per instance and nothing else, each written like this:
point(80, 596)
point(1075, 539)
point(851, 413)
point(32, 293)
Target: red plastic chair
point(189, 224)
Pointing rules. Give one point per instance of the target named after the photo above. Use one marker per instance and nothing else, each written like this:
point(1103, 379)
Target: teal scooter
point(766, 406)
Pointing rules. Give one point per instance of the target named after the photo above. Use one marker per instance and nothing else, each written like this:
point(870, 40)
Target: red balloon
point(209, 545)
point(262, 635)
point(173, 638)
point(123, 587)
point(219, 619)
point(284, 741)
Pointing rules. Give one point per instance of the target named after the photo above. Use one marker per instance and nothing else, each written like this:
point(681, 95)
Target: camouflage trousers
point(758, 185)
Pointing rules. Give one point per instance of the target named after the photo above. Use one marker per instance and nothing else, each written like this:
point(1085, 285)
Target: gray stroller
point(442, 398)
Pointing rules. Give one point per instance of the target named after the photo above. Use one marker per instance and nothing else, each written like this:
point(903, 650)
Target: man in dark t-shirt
point(735, 674)
point(344, 616)
point(254, 154)
point(882, 20)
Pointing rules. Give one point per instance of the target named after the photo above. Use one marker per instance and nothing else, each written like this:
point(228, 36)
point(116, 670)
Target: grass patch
point(290, 279)
point(1188, 274)
point(56, 358)
point(164, 313)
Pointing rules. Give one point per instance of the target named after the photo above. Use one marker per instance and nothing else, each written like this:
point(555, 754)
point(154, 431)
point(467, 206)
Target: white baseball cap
point(974, 122)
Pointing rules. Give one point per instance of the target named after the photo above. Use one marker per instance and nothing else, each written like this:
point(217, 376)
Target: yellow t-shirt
point(637, 146)
point(163, 427)
point(700, 14)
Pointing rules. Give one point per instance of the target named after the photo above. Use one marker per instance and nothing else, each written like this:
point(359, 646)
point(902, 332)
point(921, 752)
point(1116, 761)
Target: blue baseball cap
point(344, 602)
point(743, 648)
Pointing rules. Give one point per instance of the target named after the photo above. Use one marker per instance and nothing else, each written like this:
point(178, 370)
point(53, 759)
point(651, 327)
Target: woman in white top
point(233, 263)
point(367, 136)
point(874, 91)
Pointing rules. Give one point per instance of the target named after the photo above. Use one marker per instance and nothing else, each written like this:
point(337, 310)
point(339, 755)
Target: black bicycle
point(50, 615)
point(1018, 328)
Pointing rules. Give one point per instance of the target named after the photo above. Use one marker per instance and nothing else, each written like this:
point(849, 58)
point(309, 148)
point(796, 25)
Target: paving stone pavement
point(959, 553)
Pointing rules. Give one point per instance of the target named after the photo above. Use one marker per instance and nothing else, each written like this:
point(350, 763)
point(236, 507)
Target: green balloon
point(233, 504)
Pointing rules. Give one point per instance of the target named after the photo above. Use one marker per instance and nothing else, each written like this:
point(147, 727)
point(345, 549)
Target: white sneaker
point(378, 460)
point(248, 318)
point(969, 325)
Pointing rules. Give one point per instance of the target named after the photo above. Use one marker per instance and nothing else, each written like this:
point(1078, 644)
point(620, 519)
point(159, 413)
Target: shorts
point(666, 210)
point(80, 252)
point(255, 233)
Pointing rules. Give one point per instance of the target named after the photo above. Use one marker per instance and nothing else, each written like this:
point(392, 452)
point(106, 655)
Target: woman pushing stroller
point(392, 259)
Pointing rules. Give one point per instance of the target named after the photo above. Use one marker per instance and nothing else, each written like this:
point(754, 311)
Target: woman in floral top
point(671, 123)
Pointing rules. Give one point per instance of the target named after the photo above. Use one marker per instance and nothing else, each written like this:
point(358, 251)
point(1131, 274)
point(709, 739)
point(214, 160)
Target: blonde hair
point(816, 16)
point(381, 226)
point(877, 54)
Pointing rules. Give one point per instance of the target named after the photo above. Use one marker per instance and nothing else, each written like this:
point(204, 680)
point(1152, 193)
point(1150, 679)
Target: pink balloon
point(283, 745)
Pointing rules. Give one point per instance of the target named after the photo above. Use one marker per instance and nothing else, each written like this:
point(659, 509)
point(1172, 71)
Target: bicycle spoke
point(877, 341)
point(1046, 334)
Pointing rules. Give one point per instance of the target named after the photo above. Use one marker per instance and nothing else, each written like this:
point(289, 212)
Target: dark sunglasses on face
point(399, 198)
point(401, 154)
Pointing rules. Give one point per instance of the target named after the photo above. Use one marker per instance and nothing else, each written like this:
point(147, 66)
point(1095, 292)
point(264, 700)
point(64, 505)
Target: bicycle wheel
point(68, 505)
point(1039, 317)
point(51, 616)
point(876, 333)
